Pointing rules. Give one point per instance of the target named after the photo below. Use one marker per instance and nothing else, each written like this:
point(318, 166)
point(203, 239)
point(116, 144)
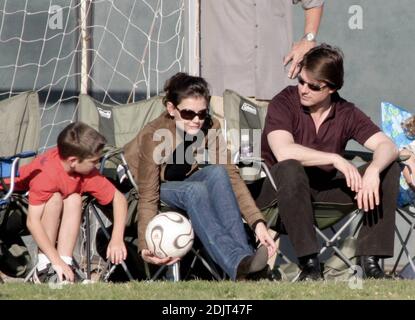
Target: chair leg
point(30, 274)
point(92, 207)
point(175, 270)
point(330, 243)
point(158, 272)
point(410, 220)
point(88, 243)
point(210, 268)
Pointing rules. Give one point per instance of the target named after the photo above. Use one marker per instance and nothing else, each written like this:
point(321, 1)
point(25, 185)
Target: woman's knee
point(197, 189)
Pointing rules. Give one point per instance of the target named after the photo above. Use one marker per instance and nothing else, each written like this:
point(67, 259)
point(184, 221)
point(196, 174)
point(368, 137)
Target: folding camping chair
point(19, 132)
point(9, 201)
point(244, 116)
point(120, 124)
point(392, 118)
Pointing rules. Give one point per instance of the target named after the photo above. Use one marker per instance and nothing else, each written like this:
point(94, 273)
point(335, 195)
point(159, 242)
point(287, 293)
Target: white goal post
point(118, 51)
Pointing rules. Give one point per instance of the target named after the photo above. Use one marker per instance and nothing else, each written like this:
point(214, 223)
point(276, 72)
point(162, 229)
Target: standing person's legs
point(226, 248)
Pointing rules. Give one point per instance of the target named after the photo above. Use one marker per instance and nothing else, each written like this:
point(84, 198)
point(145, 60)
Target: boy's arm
point(116, 248)
point(35, 227)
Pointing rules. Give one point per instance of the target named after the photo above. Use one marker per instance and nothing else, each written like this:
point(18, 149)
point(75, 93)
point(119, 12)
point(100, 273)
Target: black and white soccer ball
point(169, 234)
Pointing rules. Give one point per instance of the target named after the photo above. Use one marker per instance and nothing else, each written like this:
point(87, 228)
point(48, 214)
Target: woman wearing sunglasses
point(164, 159)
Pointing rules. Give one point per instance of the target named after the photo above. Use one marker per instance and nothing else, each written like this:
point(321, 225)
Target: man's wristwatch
point(310, 36)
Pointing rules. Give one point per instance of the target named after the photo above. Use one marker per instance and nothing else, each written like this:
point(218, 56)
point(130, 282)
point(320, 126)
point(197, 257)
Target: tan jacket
point(147, 165)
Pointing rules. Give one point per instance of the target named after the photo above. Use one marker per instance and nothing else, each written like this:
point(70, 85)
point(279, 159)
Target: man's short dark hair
point(81, 141)
point(325, 63)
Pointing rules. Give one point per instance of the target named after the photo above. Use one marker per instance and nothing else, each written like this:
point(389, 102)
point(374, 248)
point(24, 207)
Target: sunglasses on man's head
point(187, 114)
point(311, 86)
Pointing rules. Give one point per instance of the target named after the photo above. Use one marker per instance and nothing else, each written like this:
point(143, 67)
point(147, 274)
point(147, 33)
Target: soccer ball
point(169, 234)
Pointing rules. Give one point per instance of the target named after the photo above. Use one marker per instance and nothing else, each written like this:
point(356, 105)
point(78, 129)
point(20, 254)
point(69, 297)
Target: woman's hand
point(149, 257)
point(265, 239)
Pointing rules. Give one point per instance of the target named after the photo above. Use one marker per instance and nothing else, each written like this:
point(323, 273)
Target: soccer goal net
point(117, 51)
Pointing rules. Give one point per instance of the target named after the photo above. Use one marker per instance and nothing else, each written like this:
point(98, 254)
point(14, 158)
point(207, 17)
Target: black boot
point(371, 268)
point(310, 268)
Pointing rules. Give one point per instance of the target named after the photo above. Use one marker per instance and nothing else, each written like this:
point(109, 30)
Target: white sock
point(67, 260)
point(42, 261)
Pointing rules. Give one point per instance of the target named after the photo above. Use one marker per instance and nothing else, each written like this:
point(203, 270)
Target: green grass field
point(204, 290)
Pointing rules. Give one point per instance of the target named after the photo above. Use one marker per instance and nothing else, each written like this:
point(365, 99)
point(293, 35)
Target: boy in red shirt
point(56, 180)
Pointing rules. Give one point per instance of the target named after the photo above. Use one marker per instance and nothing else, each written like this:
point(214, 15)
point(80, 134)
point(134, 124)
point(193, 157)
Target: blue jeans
point(208, 199)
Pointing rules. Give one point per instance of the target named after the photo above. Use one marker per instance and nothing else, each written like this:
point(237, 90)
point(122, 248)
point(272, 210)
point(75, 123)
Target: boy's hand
point(63, 271)
point(149, 257)
point(116, 251)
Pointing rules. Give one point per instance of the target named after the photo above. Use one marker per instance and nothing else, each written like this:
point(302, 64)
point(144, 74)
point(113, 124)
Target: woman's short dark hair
point(81, 141)
point(325, 63)
point(182, 86)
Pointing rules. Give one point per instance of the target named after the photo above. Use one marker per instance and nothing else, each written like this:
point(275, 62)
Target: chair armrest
point(9, 169)
point(251, 160)
point(364, 155)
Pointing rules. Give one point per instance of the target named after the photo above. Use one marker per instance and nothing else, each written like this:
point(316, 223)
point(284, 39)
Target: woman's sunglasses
point(311, 86)
point(187, 114)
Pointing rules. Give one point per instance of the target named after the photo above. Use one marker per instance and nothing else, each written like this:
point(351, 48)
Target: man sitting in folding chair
point(56, 180)
point(306, 131)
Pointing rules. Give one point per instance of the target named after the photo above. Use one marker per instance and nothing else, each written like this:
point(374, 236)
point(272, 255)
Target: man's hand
point(368, 195)
point(116, 251)
point(352, 175)
point(149, 257)
point(265, 239)
point(296, 55)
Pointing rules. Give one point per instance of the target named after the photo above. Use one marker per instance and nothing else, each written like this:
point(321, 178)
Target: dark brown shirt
point(344, 122)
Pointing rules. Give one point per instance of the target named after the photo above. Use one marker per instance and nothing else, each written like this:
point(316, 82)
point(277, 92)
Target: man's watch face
point(310, 36)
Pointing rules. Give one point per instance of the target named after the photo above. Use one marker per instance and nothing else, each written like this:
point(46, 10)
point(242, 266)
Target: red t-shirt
point(45, 176)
